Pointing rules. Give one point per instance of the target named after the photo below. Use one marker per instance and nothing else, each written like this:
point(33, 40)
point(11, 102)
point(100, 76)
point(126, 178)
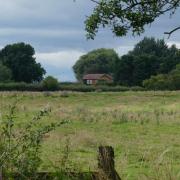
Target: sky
point(55, 28)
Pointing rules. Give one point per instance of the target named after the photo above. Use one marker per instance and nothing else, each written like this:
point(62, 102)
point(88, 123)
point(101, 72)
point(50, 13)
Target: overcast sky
point(55, 28)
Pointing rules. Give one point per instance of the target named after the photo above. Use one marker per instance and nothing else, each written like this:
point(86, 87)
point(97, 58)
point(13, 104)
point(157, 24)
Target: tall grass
point(143, 128)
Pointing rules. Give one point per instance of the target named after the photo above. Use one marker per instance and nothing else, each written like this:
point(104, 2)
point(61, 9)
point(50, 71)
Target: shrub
point(20, 148)
point(20, 87)
point(50, 84)
point(159, 82)
point(44, 86)
point(170, 81)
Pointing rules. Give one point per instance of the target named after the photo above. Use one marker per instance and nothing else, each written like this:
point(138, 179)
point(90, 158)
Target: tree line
point(149, 58)
point(152, 64)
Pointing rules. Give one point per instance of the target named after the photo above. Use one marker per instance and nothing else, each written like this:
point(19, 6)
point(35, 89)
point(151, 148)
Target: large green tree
point(149, 57)
point(19, 58)
point(96, 61)
point(5, 73)
point(131, 70)
point(128, 15)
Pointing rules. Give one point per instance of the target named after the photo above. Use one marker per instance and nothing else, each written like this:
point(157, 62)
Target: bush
point(63, 87)
point(50, 84)
point(21, 149)
point(170, 81)
point(97, 88)
point(20, 87)
point(159, 82)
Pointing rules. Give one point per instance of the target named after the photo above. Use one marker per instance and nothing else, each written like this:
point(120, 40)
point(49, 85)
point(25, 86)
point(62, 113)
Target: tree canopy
point(19, 58)
point(149, 57)
point(131, 70)
point(125, 16)
point(5, 73)
point(96, 61)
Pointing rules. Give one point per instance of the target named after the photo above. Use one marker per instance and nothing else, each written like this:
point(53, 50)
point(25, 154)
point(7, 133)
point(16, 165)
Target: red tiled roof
point(95, 76)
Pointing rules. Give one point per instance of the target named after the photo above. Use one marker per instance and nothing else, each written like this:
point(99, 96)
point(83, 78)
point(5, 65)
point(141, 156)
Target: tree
point(175, 77)
point(132, 70)
point(168, 57)
point(149, 57)
point(5, 73)
point(128, 15)
point(170, 61)
point(151, 46)
point(19, 58)
point(96, 61)
point(144, 67)
point(123, 70)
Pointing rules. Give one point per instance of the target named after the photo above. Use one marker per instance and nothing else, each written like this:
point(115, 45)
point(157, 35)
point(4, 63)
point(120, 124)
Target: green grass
point(143, 128)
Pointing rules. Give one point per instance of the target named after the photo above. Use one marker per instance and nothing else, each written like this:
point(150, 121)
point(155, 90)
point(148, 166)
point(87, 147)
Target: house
point(97, 78)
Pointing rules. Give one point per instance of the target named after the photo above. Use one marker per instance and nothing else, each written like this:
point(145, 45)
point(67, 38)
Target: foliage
point(132, 70)
point(13, 86)
point(159, 82)
point(170, 81)
point(19, 58)
point(20, 148)
point(151, 46)
point(64, 87)
point(5, 73)
point(96, 61)
point(175, 77)
point(124, 16)
point(149, 57)
point(99, 88)
point(168, 57)
point(50, 83)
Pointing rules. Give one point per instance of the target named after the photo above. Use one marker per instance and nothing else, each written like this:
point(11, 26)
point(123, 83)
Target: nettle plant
point(20, 148)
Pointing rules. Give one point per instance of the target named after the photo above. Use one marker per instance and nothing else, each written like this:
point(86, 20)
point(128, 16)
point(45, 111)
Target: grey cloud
point(54, 26)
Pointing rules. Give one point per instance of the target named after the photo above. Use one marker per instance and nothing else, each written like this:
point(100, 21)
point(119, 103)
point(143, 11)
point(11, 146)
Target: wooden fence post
point(106, 164)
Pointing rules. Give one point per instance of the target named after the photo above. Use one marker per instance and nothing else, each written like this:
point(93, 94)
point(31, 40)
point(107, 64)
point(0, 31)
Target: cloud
point(61, 59)
point(55, 28)
point(40, 32)
point(59, 64)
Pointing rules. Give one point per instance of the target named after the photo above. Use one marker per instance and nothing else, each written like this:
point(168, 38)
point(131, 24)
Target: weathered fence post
point(106, 164)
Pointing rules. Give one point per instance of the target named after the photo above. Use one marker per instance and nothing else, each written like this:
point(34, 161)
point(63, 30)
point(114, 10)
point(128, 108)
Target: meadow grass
point(143, 128)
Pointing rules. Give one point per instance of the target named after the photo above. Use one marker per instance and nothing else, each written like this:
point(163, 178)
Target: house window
point(89, 81)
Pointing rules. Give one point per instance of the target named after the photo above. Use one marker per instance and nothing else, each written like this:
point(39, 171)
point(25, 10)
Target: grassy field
point(143, 128)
